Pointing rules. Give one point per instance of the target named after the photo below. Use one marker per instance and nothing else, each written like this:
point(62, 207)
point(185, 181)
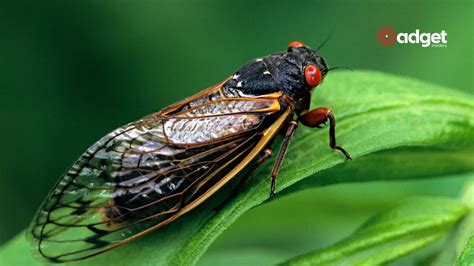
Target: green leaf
point(413, 122)
point(466, 258)
point(411, 225)
point(250, 256)
point(460, 245)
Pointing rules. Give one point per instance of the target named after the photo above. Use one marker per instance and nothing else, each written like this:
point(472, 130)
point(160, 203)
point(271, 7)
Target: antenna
point(324, 42)
point(340, 67)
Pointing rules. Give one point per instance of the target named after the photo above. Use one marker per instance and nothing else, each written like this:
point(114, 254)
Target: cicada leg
point(281, 154)
point(319, 116)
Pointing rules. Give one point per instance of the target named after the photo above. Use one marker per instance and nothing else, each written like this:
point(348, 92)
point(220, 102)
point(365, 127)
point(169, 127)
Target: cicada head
point(301, 71)
point(313, 65)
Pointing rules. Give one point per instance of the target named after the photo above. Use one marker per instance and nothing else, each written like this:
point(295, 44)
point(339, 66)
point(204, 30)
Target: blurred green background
point(73, 70)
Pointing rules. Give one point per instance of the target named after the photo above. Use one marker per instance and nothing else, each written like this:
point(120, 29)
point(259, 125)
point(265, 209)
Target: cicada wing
point(147, 173)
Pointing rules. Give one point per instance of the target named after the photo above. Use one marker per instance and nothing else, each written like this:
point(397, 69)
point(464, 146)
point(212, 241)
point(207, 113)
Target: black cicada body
point(148, 173)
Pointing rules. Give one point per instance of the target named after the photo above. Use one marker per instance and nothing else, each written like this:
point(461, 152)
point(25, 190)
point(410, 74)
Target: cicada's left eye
point(312, 75)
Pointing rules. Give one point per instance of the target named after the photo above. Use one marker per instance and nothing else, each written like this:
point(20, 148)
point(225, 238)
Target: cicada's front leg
point(319, 116)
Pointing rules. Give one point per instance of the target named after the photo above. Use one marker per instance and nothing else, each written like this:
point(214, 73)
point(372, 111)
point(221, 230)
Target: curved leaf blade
point(466, 258)
point(460, 245)
point(374, 111)
point(411, 225)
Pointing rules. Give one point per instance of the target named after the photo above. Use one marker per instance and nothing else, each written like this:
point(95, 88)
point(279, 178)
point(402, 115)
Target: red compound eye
point(312, 75)
point(295, 44)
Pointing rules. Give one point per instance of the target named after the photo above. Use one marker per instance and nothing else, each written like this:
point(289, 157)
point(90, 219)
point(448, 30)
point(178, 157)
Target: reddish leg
point(318, 116)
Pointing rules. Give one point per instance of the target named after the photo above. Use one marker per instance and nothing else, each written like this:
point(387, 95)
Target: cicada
point(146, 174)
